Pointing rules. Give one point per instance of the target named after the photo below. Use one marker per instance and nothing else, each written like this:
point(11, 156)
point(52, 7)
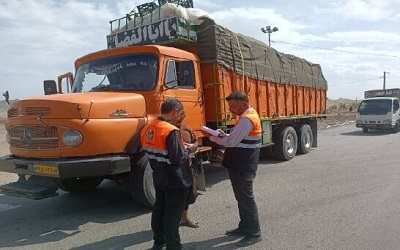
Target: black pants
point(166, 216)
point(242, 184)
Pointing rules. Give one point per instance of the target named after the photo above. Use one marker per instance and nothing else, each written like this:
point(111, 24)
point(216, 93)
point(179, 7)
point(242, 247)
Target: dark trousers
point(166, 216)
point(242, 184)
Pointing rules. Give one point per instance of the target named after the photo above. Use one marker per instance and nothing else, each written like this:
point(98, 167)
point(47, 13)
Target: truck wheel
point(141, 182)
point(365, 129)
point(285, 140)
point(305, 138)
point(80, 185)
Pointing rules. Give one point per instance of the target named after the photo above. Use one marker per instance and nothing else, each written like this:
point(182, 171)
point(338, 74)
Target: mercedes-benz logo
point(25, 136)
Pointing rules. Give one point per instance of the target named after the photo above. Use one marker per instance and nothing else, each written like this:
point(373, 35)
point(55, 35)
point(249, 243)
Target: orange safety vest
point(253, 139)
point(153, 138)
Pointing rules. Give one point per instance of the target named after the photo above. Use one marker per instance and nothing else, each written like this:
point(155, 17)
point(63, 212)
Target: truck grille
point(12, 112)
point(37, 111)
point(34, 137)
point(28, 111)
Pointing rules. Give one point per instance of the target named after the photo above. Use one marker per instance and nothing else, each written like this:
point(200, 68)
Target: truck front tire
point(141, 181)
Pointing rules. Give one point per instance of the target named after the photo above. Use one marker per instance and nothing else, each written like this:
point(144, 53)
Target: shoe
point(248, 240)
point(235, 232)
point(158, 247)
point(189, 223)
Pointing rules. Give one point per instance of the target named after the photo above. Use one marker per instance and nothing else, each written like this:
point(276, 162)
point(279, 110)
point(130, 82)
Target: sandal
point(189, 223)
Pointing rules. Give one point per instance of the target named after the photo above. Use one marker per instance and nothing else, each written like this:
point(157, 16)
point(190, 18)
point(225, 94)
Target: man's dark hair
point(170, 104)
point(238, 96)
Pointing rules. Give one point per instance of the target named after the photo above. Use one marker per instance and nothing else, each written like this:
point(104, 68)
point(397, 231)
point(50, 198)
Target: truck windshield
point(376, 107)
point(134, 72)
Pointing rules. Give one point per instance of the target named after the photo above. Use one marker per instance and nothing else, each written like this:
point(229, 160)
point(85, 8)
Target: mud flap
point(198, 167)
point(34, 187)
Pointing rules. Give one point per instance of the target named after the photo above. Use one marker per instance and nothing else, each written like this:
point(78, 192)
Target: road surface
point(345, 194)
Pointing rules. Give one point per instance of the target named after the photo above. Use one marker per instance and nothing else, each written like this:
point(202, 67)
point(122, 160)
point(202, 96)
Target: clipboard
point(210, 131)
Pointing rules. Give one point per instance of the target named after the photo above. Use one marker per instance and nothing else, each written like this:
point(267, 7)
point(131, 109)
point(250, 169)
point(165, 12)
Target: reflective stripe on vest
point(153, 138)
point(253, 139)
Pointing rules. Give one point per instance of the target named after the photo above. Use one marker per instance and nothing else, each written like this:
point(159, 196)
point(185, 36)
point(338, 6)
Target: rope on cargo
point(241, 57)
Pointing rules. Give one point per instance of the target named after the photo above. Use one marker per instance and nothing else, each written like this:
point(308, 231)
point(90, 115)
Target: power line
point(365, 80)
point(338, 50)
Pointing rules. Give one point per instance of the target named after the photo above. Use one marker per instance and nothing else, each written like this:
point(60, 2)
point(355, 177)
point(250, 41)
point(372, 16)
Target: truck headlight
point(8, 137)
point(72, 138)
point(386, 121)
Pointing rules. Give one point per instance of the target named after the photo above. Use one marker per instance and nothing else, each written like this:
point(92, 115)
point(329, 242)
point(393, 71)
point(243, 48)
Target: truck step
point(36, 188)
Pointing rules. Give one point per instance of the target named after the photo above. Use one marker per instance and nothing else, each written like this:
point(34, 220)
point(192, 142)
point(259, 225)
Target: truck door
point(182, 82)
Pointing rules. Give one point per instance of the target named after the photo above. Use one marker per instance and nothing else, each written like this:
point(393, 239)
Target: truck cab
point(380, 113)
point(75, 140)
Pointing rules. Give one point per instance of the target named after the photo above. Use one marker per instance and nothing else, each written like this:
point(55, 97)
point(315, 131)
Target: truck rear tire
point(305, 138)
point(80, 185)
point(141, 183)
point(285, 140)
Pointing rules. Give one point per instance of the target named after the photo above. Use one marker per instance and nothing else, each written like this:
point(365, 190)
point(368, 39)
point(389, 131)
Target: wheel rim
point(289, 145)
point(307, 139)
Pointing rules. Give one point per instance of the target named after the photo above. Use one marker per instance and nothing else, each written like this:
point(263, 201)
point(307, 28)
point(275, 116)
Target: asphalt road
point(345, 194)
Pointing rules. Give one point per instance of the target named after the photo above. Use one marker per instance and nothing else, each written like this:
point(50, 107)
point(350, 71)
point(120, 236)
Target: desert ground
point(4, 177)
point(338, 113)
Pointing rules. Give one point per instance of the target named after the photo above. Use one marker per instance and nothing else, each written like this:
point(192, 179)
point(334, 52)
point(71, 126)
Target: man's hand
point(192, 147)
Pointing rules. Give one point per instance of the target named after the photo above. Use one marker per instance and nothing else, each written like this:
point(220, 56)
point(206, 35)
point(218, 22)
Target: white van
point(379, 113)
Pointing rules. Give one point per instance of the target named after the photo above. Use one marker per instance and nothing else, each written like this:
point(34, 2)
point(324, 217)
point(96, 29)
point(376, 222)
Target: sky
point(354, 41)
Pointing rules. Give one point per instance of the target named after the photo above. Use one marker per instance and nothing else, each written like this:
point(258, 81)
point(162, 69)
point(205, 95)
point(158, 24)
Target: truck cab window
point(134, 72)
point(186, 74)
point(395, 106)
point(170, 76)
point(180, 74)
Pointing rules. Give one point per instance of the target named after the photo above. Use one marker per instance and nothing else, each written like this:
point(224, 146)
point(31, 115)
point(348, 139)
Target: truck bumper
point(375, 126)
point(66, 168)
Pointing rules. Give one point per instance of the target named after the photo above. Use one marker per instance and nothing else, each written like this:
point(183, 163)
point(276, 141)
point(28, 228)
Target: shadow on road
point(370, 133)
point(120, 241)
point(223, 242)
point(30, 222)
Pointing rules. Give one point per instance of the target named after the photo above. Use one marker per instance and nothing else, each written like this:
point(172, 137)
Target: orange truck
point(86, 128)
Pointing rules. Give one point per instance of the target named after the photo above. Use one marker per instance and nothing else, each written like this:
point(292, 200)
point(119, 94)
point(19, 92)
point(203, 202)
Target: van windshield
point(378, 107)
point(134, 72)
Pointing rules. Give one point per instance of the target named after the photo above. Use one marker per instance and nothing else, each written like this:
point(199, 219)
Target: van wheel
point(141, 184)
point(80, 185)
point(285, 147)
point(396, 128)
point(305, 138)
point(365, 129)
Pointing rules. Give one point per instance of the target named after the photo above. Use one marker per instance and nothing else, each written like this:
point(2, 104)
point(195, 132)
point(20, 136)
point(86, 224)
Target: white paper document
point(210, 131)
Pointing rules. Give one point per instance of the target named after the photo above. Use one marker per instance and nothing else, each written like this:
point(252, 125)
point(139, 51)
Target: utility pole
point(384, 79)
point(268, 30)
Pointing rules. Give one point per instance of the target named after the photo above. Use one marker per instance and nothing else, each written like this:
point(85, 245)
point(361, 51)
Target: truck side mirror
point(50, 87)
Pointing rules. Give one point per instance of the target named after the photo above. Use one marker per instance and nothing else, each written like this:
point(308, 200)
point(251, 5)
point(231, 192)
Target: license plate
point(48, 170)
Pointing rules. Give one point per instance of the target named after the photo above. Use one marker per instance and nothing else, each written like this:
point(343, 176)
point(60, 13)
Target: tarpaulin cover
point(243, 54)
